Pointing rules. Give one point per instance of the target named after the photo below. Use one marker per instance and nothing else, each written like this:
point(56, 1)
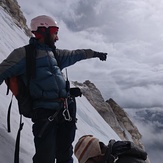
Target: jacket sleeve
point(13, 65)
point(70, 57)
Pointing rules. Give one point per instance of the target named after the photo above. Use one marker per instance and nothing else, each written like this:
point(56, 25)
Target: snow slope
point(89, 121)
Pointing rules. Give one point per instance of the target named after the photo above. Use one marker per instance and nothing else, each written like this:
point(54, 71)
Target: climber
point(49, 90)
point(89, 149)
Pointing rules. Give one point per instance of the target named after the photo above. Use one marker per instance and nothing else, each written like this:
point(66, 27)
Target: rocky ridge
point(13, 9)
point(112, 113)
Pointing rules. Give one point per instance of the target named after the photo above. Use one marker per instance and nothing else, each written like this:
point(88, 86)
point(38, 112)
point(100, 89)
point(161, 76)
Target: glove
point(75, 92)
point(100, 55)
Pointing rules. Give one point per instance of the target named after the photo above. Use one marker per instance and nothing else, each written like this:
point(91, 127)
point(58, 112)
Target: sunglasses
point(51, 29)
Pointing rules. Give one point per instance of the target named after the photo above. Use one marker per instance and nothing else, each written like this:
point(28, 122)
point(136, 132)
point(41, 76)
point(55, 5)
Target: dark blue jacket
point(49, 84)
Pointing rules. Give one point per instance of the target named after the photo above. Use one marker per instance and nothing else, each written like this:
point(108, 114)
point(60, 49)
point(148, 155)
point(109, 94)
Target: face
point(54, 34)
point(54, 37)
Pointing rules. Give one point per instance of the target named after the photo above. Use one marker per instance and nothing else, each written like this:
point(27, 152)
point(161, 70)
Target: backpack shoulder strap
point(8, 87)
point(30, 61)
point(17, 144)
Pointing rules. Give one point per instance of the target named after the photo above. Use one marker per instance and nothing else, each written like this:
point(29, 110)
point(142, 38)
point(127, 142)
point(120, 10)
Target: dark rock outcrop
point(13, 9)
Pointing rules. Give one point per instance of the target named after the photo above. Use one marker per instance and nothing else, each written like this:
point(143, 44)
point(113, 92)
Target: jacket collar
point(39, 45)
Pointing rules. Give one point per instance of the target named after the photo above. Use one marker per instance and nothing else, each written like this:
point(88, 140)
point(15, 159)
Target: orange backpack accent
point(12, 83)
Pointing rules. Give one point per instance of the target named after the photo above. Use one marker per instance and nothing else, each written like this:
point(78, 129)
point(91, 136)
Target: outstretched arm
point(70, 57)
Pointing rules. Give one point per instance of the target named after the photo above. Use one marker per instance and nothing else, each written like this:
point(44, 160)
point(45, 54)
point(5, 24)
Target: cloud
point(150, 124)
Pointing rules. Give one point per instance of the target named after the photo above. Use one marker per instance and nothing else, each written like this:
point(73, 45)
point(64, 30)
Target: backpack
point(90, 149)
point(124, 151)
point(21, 92)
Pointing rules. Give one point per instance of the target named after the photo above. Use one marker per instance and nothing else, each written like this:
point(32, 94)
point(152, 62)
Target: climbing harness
point(66, 113)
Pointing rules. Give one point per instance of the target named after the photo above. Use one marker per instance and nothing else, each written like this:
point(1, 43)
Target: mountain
point(103, 119)
point(113, 114)
point(13, 9)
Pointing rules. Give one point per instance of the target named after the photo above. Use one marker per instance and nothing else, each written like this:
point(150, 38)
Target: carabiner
point(67, 116)
point(66, 113)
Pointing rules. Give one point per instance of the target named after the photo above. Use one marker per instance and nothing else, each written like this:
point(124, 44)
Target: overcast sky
point(130, 31)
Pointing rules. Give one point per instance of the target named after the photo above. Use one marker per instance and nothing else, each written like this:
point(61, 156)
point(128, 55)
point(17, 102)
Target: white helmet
point(42, 21)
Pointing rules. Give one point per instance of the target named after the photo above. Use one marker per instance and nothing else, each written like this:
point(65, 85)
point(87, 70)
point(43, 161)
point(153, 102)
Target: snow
point(89, 121)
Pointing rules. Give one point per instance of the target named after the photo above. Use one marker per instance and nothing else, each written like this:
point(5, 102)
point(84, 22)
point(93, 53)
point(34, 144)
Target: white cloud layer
point(150, 124)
